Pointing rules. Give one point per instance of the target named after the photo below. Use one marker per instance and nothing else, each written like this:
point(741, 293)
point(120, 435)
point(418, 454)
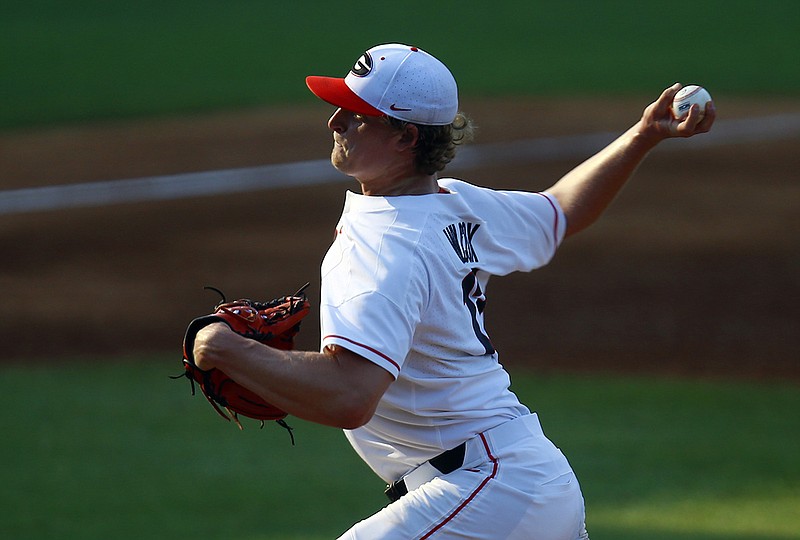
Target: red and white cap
point(394, 80)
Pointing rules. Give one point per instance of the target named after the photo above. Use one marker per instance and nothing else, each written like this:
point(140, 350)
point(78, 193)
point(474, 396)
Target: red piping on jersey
point(555, 225)
point(379, 353)
point(463, 505)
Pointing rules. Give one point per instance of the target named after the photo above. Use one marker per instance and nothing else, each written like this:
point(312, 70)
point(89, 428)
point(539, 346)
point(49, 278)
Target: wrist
point(644, 138)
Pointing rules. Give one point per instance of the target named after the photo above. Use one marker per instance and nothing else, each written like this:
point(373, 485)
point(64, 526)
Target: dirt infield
point(694, 269)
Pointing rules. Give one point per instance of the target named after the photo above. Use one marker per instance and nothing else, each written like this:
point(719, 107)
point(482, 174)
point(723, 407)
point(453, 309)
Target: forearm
point(336, 388)
point(585, 192)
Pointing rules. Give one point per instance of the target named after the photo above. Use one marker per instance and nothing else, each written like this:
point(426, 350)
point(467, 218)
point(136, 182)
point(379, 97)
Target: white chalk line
point(208, 183)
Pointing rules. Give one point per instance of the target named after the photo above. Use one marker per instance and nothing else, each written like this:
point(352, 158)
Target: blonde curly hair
point(436, 145)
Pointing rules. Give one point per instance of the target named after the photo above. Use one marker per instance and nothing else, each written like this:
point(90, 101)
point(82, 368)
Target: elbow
point(353, 423)
point(357, 406)
point(574, 227)
point(356, 414)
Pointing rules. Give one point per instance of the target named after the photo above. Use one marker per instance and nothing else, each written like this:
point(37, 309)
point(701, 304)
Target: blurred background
point(692, 273)
point(695, 267)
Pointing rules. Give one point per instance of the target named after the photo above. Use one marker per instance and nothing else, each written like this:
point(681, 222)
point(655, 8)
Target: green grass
point(676, 458)
point(121, 451)
point(118, 450)
point(72, 61)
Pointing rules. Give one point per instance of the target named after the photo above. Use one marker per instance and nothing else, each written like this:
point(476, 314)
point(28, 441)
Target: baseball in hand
point(688, 96)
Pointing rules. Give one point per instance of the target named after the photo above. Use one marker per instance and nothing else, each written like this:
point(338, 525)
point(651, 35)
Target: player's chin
point(339, 159)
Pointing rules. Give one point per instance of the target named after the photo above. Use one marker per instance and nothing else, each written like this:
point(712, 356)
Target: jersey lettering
point(475, 302)
point(460, 237)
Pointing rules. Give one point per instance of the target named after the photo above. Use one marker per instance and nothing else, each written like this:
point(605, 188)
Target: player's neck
point(416, 184)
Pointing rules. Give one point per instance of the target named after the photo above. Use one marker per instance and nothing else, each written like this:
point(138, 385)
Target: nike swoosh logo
point(396, 108)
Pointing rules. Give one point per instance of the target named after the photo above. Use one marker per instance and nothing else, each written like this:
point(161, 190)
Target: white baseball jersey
point(403, 286)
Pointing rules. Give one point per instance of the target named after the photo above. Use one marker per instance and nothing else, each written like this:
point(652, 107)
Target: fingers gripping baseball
point(659, 122)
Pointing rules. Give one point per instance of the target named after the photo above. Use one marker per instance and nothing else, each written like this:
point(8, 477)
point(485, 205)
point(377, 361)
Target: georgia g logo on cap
point(393, 80)
point(363, 65)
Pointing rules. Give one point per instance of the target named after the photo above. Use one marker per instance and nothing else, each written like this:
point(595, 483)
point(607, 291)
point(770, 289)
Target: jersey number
point(475, 302)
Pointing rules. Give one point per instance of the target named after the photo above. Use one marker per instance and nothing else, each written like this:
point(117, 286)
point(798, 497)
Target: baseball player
point(406, 365)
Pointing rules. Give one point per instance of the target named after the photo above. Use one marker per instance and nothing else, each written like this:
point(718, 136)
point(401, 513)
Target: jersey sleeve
point(520, 230)
point(371, 326)
point(529, 224)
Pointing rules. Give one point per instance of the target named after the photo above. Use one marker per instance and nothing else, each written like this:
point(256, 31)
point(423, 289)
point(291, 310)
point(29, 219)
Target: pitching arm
point(585, 192)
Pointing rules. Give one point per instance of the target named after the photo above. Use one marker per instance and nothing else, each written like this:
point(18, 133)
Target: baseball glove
point(274, 323)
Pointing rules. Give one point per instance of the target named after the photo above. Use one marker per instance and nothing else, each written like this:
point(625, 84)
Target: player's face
point(364, 147)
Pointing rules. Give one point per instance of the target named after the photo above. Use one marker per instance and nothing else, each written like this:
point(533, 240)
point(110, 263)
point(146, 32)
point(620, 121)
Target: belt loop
point(449, 461)
point(395, 490)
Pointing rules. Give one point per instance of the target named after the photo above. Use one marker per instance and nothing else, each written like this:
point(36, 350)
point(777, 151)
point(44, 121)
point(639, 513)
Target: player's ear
point(408, 137)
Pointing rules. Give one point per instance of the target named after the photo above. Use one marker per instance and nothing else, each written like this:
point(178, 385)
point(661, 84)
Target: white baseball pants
point(515, 484)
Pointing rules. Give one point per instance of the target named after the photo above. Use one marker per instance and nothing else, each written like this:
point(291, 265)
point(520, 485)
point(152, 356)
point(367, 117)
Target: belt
point(444, 463)
point(475, 449)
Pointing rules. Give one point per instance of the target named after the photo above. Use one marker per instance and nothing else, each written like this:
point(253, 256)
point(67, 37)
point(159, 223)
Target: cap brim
point(336, 92)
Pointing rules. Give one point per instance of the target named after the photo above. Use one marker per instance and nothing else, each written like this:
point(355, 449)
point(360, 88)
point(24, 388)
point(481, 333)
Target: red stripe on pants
point(463, 505)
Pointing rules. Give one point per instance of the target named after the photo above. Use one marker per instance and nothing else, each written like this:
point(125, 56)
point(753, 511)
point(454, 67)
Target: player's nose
point(339, 120)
